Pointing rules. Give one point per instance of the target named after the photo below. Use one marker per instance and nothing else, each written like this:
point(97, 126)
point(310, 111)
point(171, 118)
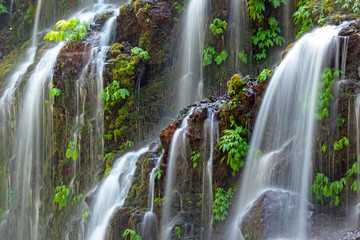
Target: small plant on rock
point(61, 196)
point(131, 235)
point(71, 29)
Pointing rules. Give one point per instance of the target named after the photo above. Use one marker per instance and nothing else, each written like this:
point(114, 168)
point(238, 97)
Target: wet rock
point(269, 215)
point(348, 31)
point(123, 218)
point(167, 134)
point(147, 25)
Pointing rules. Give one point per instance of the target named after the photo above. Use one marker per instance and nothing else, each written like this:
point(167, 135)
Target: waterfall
point(211, 132)
point(190, 85)
point(30, 152)
point(284, 132)
point(112, 193)
point(7, 109)
point(88, 87)
point(177, 147)
point(239, 38)
point(149, 225)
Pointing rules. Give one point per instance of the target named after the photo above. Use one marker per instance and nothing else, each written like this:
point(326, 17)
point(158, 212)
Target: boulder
point(270, 216)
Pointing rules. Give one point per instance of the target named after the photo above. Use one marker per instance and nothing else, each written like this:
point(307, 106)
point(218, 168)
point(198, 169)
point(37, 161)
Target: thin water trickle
point(88, 89)
point(190, 85)
point(211, 131)
point(176, 155)
point(284, 133)
point(112, 193)
point(149, 225)
point(239, 38)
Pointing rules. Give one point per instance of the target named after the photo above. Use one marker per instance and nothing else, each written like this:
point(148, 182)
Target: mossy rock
point(235, 85)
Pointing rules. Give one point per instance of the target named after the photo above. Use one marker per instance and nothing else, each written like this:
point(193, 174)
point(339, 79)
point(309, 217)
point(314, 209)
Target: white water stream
point(176, 154)
point(112, 193)
point(285, 124)
point(211, 138)
point(190, 85)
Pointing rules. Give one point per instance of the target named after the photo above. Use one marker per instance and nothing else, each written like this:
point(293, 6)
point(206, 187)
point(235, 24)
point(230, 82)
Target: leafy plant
point(76, 199)
point(340, 121)
point(324, 92)
point(302, 18)
point(3, 8)
point(72, 152)
point(136, 51)
point(243, 57)
point(159, 201)
point(86, 215)
point(324, 189)
point(146, 7)
point(221, 203)
point(323, 147)
point(61, 196)
point(178, 7)
point(53, 92)
point(126, 145)
point(218, 26)
point(264, 75)
point(309, 14)
point(131, 234)
point(338, 145)
point(71, 29)
point(194, 157)
point(211, 55)
point(266, 38)
point(221, 57)
point(256, 8)
point(114, 93)
point(108, 155)
point(235, 146)
point(158, 173)
point(11, 195)
point(177, 231)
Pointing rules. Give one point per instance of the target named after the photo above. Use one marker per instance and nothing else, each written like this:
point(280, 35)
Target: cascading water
point(211, 130)
point(190, 85)
point(32, 148)
point(30, 152)
point(88, 87)
point(112, 193)
point(177, 153)
point(149, 226)
point(7, 109)
point(283, 134)
point(238, 25)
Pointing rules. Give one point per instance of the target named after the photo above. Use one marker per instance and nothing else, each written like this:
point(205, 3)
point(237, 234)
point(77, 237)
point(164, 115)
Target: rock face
point(267, 217)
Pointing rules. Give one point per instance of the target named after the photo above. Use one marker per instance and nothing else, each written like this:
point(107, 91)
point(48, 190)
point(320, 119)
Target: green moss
point(235, 85)
point(11, 60)
point(22, 23)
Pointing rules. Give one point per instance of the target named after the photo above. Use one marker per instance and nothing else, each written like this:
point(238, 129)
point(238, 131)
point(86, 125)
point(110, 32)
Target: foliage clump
point(71, 29)
point(221, 203)
point(324, 92)
point(235, 145)
point(211, 54)
point(131, 235)
point(61, 196)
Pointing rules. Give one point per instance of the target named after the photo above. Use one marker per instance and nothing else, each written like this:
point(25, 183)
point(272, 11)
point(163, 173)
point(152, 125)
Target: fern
point(235, 146)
